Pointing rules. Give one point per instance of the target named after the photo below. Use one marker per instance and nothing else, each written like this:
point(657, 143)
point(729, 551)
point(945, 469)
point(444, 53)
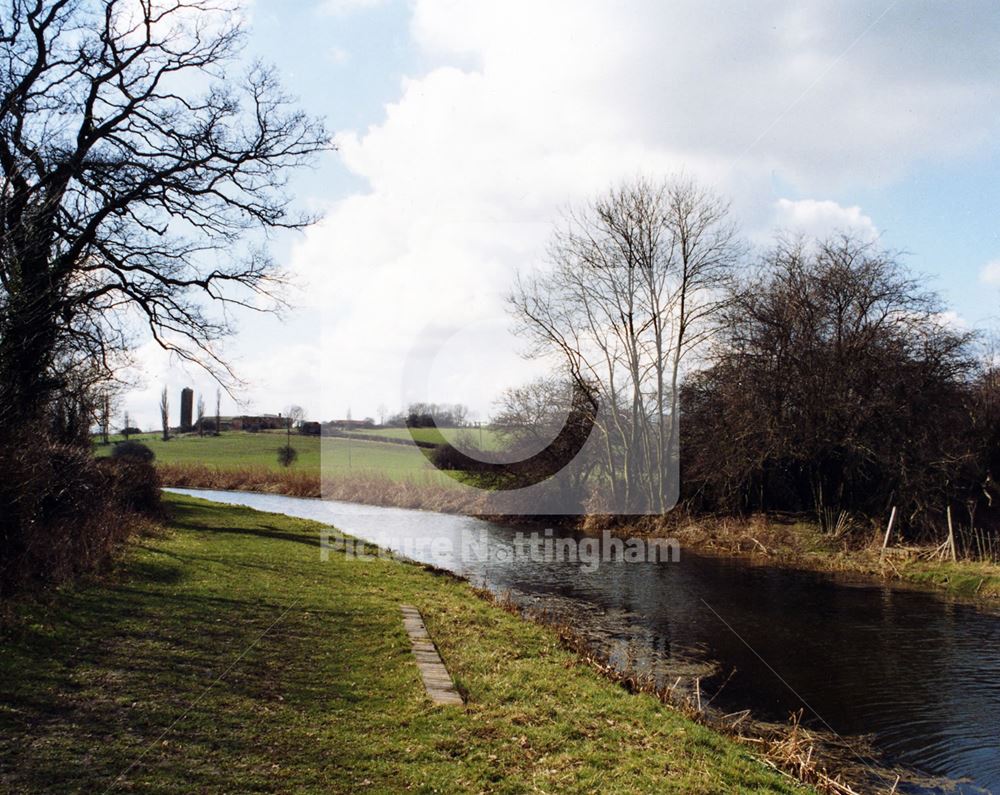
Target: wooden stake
point(951, 536)
point(888, 530)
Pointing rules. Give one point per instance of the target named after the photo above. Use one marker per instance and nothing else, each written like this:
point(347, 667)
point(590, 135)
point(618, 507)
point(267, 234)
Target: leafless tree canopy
point(137, 157)
point(635, 284)
point(200, 415)
point(165, 414)
point(836, 386)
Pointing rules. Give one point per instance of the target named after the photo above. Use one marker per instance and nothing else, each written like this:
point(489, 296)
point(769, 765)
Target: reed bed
point(366, 488)
point(294, 483)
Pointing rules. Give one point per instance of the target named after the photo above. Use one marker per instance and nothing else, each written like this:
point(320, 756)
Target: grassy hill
point(486, 438)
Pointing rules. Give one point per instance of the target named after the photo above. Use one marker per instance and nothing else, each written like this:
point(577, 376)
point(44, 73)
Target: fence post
point(888, 530)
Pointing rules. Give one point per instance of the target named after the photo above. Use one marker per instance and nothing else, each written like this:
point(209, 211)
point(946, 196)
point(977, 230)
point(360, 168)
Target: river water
point(916, 674)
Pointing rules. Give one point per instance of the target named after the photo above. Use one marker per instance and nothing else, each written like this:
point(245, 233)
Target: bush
point(63, 512)
point(135, 485)
point(287, 455)
point(133, 451)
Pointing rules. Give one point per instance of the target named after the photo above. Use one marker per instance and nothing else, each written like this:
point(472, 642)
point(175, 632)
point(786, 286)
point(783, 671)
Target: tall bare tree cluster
point(636, 282)
point(818, 376)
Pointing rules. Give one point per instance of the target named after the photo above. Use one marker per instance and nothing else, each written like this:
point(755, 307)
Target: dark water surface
point(918, 673)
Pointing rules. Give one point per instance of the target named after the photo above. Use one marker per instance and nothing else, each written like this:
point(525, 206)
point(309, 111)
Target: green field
point(485, 438)
point(330, 456)
point(236, 449)
point(225, 656)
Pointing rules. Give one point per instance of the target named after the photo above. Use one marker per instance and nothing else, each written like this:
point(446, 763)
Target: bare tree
point(201, 415)
point(383, 412)
point(218, 412)
point(130, 172)
point(128, 426)
point(529, 419)
point(165, 414)
point(287, 454)
point(104, 416)
point(71, 414)
point(293, 416)
point(636, 284)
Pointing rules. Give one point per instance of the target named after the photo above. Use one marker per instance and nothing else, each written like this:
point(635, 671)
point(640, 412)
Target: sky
point(465, 129)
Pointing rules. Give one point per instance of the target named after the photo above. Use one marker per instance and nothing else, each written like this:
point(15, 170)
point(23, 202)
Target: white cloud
point(526, 107)
point(338, 55)
point(821, 218)
point(341, 7)
point(954, 321)
point(534, 106)
point(711, 77)
point(990, 273)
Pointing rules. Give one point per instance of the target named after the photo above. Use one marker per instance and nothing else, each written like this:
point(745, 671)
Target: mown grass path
point(224, 656)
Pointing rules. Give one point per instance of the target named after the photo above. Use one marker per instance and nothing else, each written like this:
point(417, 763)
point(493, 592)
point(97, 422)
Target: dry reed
point(368, 489)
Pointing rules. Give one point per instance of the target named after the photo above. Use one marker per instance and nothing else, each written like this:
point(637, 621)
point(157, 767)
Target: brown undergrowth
point(367, 489)
point(791, 542)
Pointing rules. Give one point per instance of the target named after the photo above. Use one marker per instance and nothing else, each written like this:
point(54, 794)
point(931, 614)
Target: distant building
point(246, 422)
point(350, 425)
point(260, 422)
point(208, 424)
point(187, 409)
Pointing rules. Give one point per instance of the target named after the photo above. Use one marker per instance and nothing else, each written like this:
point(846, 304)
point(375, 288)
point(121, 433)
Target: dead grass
point(294, 483)
point(789, 541)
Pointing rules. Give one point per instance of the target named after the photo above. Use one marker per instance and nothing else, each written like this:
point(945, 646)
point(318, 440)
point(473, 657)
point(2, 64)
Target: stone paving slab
point(435, 676)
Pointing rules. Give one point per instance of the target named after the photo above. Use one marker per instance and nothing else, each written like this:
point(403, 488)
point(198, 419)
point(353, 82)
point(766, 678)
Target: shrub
point(63, 512)
point(287, 455)
point(135, 485)
point(133, 451)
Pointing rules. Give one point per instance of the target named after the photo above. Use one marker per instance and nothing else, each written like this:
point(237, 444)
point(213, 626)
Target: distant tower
point(187, 404)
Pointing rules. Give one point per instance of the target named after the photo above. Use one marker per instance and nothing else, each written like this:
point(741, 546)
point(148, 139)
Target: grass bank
point(230, 450)
point(484, 438)
point(224, 656)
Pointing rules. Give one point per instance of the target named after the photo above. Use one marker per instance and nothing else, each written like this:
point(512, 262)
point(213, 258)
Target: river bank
point(731, 626)
point(224, 655)
point(772, 541)
point(790, 542)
